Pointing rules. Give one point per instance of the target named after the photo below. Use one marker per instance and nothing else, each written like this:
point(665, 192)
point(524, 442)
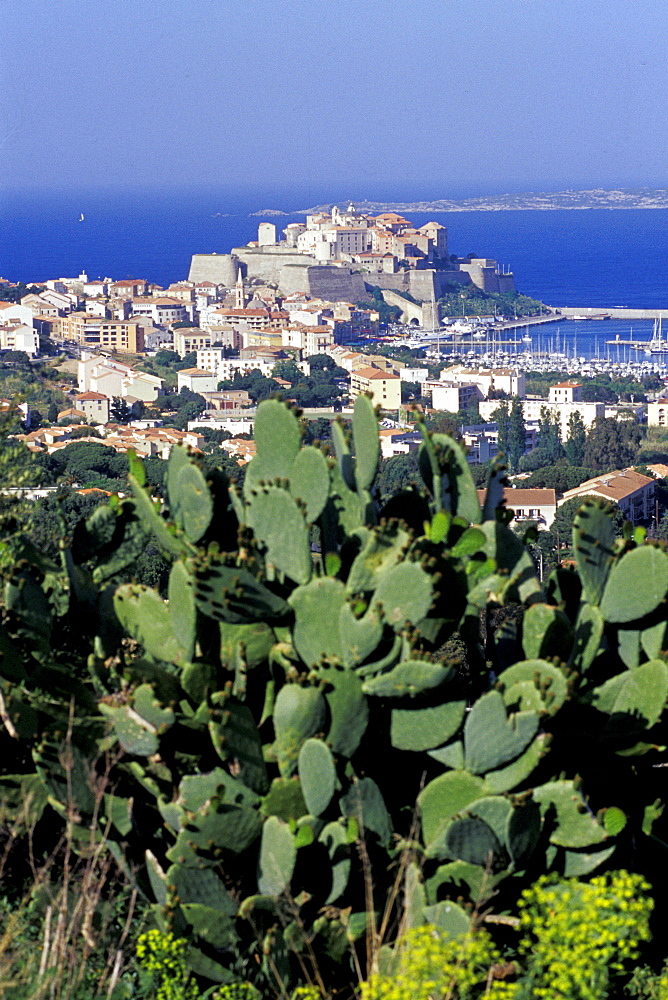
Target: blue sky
point(431, 97)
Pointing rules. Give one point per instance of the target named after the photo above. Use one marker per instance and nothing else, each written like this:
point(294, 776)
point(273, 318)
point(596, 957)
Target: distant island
point(542, 201)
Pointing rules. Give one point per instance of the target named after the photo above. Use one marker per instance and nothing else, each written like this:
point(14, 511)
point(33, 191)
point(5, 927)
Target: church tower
point(239, 292)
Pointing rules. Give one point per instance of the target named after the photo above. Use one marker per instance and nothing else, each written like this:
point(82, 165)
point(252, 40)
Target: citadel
point(338, 256)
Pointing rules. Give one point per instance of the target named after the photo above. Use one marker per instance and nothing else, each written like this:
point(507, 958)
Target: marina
point(574, 347)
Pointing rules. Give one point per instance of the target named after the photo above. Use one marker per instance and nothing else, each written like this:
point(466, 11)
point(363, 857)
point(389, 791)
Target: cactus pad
point(637, 584)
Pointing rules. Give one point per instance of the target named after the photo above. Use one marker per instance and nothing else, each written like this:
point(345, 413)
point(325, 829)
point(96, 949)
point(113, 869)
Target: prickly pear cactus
point(284, 721)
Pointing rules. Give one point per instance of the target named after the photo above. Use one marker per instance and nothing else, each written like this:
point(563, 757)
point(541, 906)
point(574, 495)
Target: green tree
point(410, 391)
point(558, 477)
point(562, 526)
point(325, 365)
point(516, 434)
point(612, 444)
point(502, 418)
point(119, 411)
point(288, 370)
point(549, 436)
point(576, 440)
point(399, 473)
point(52, 413)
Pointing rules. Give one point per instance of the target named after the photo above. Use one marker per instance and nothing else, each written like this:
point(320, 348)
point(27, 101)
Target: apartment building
point(97, 331)
point(114, 379)
point(18, 337)
point(634, 493)
point(384, 387)
point(94, 405)
point(451, 396)
point(191, 338)
point(197, 380)
point(539, 505)
point(508, 380)
point(532, 408)
point(164, 311)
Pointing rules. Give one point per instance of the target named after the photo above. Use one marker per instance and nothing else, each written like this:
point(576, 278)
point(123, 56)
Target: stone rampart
point(409, 310)
point(421, 285)
point(337, 284)
point(268, 263)
point(220, 268)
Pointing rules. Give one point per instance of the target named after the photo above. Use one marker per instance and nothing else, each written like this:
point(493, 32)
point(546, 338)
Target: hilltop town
point(319, 316)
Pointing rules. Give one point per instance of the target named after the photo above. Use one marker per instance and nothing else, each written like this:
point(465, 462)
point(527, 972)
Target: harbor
point(572, 346)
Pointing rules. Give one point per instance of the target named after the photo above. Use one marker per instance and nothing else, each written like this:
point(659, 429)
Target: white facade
point(508, 380)
point(657, 413)
point(11, 312)
point(19, 338)
point(414, 374)
point(451, 396)
point(197, 380)
point(531, 411)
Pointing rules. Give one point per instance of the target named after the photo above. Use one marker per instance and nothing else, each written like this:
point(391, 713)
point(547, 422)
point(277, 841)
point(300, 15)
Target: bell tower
point(240, 302)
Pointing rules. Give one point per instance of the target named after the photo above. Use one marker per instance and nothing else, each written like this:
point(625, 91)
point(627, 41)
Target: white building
point(19, 337)
point(451, 396)
point(414, 375)
point(114, 379)
point(630, 490)
point(531, 411)
point(197, 380)
point(508, 380)
point(530, 505)
point(657, 413)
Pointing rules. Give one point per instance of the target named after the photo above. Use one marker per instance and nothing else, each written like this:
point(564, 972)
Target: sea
point(586, 258)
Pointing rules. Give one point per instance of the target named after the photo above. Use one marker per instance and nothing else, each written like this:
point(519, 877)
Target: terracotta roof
point(567, 385)
point(611, 485)
point(373, 373)
point(525, 498)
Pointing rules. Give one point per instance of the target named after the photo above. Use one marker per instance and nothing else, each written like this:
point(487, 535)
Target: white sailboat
point(657, 344)
point(81, 217)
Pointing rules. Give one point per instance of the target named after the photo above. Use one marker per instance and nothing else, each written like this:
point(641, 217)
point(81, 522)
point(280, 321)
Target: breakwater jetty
point(615, 312)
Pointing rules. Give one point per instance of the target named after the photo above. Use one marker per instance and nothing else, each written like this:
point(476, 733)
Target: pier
point(616, 312)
